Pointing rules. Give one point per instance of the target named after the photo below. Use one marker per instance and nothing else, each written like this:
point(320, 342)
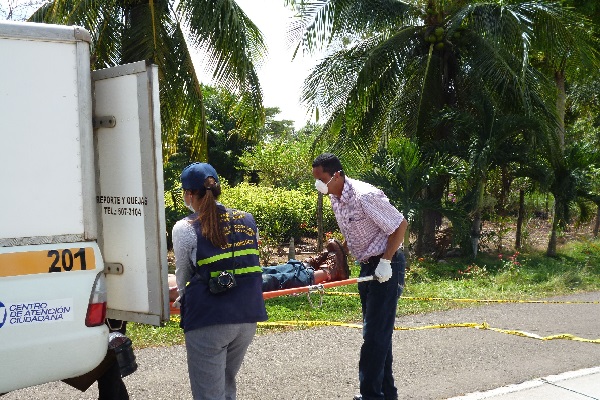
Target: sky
point(281, 78)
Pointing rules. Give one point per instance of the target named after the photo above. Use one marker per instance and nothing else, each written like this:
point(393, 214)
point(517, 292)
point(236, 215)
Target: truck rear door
point(130, 196)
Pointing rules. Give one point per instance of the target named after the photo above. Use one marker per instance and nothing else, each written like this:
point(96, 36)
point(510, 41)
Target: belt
point(376, 258)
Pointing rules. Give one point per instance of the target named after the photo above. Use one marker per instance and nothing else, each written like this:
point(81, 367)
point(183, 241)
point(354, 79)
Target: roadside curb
point(535, 383)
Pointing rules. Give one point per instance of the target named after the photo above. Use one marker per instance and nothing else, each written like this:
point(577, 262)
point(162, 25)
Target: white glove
point(383, 272)
point(176, 303)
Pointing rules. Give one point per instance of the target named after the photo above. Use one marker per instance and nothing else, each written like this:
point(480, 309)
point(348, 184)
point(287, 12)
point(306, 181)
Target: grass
point(526, 276)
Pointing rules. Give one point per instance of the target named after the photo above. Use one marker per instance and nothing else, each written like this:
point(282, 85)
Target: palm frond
point(323, 20)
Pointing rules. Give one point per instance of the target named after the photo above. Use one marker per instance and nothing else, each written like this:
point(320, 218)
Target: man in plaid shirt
point(373, 230)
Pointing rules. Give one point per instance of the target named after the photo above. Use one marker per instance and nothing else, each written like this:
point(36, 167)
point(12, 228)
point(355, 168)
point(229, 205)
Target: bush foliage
point(280, 213)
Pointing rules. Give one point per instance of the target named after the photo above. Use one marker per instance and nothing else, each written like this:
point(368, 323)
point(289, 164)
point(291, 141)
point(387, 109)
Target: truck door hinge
point(113, 268)
point(108, 121)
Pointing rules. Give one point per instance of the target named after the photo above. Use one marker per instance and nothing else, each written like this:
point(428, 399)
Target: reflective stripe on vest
point(222, 256)
point(243, 259)
point(238, 271)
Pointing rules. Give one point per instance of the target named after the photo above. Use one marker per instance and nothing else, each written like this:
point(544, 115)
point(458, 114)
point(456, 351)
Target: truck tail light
point(96, 312)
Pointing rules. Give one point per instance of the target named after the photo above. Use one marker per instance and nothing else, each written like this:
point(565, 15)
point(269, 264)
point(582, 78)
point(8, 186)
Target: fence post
point(292, 251)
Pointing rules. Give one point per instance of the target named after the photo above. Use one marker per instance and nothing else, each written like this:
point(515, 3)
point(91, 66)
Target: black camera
point(221, 283)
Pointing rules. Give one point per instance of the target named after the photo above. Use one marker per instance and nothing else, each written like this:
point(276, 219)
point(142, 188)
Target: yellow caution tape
point(475, 325)
point(473, 300)
point(484, 326)
point(309, 324)
point(502, 300)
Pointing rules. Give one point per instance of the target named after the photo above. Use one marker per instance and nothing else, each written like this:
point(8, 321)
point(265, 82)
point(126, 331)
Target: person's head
point(329, 174)
point(201, 189)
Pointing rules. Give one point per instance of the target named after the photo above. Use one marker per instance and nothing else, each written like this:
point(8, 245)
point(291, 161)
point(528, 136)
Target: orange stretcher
point(319, 288)
point(315, 288)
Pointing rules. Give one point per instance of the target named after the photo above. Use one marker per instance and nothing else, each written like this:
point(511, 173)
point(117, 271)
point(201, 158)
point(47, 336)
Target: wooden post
point(292, 251)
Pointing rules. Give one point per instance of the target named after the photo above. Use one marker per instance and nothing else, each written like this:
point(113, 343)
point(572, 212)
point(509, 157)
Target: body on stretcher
point(318, 288)
point(328, 269)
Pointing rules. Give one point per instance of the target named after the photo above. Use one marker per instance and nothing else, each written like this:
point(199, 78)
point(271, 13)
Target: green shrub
point(280, 213)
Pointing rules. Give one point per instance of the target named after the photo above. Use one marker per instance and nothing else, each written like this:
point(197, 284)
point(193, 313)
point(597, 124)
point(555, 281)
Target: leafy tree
point(284, 161)
point(226, 144)
point(226, 141)
point(573, 51)
point(491, 137)
point(406, 62)
point(273, 128)
point(401, 64)
point(125, 31)
point(403, 173)
point(589, 8)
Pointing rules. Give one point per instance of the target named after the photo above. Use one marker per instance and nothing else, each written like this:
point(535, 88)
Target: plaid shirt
point(365, 217)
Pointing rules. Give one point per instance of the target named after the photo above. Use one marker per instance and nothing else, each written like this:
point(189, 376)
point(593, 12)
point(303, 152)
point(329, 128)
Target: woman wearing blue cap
point(219, 280)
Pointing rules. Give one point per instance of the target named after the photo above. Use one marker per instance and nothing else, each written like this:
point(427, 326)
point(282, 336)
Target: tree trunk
point(597, 221)
point(406, 245)
point(551, 251)
point(561, 101)
point(506, 182)
point(520, 219)
point(432, 219)
point(561, 104)
point(419, 242)
point(476, 232)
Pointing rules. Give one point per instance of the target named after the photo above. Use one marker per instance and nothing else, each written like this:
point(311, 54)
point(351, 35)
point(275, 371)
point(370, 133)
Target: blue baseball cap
point(194, 175)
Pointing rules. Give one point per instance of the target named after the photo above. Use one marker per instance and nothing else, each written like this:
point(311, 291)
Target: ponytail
point(210, 218)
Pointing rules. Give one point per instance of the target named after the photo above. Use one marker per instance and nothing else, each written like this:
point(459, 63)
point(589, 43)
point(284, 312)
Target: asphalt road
point(321, 363)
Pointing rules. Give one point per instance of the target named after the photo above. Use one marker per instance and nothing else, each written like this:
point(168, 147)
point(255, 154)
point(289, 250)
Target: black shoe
point(357, 397)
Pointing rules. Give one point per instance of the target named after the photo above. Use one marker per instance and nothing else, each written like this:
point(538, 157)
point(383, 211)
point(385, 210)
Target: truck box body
point(46, 135)
point(81, 202)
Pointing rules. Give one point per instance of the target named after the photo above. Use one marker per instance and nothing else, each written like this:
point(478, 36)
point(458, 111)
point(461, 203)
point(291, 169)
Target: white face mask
point(322, 186)
point(189, 206)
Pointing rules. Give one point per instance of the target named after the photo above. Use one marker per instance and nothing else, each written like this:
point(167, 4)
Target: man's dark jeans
point(379, 303)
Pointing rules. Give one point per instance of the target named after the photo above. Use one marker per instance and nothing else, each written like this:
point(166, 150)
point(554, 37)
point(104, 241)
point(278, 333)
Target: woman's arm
point(184, 247)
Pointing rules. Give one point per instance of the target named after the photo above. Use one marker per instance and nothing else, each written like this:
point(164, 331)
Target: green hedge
point(280, 213)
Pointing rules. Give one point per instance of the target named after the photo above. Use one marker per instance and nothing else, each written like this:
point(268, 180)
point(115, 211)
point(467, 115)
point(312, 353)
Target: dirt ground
point(496, 238)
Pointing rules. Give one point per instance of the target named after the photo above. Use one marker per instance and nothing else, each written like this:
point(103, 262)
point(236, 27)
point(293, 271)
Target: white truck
point(82, 222)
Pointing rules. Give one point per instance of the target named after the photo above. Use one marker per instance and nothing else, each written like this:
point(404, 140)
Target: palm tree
point(401, 63)
point(403, 172)
point(162, 31)
point(572, 181)
point(565, 46)
point(492, 138)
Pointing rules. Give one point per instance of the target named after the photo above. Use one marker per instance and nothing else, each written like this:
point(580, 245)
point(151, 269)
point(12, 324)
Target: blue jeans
point(379, 303)
point(293, 274)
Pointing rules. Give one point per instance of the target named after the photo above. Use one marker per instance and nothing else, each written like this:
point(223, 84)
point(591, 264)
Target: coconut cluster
point(436, 36)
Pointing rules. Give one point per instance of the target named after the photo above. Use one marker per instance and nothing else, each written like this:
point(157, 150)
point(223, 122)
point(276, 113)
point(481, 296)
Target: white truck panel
point(42, 315)
point(123, 218)
point(36, 165)
point(130, 199)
